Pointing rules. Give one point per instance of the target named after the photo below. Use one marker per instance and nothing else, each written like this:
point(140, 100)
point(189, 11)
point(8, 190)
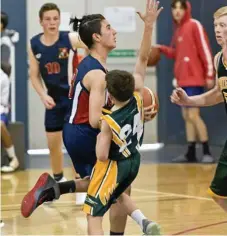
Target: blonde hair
point(220, 12)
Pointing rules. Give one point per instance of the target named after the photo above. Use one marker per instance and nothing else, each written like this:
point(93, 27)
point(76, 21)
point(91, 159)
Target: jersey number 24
point(127, 130)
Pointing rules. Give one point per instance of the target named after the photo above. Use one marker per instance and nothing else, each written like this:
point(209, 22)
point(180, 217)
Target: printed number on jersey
point(53, 68)
point(126, 130)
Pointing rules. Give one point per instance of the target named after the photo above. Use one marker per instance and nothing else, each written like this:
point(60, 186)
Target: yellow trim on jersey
point(106, 111)
point(120, 143)
point(112, 123)
point(139, 101)
point(212, 194)
point(116, 129)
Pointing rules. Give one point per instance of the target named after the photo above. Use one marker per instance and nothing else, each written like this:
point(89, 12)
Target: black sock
point(206, 149)
point(67, 187)
point(59, 176)
point(114, 233)
point(191, 153)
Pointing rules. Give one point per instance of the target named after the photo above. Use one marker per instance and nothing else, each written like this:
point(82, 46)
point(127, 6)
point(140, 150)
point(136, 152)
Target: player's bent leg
point(47, 189)
point(218, 189)
point(118, 217)
point(54, 140)
point(94, 225)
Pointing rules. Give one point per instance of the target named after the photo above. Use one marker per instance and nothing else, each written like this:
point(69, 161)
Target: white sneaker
point(207, 159)
point(80, 198)
point(13, 165)
point(1, 224)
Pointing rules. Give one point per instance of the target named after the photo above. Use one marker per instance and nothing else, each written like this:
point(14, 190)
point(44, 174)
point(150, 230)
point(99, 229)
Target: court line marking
point(59, 202)
point(199, 227)
point(168, 194)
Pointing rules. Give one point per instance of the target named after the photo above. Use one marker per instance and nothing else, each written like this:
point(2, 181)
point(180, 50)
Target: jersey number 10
point(53, 68)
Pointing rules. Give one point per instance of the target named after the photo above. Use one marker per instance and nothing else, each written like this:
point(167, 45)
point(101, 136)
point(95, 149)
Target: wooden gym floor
point(172, 194)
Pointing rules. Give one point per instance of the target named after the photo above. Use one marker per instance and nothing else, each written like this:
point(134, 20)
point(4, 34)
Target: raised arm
point(149, 18)
point(75, 40)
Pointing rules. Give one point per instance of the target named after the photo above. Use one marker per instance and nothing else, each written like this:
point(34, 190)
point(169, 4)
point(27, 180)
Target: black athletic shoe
point(45, 189)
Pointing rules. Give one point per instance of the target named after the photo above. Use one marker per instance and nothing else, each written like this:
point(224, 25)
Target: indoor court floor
point(174, 195)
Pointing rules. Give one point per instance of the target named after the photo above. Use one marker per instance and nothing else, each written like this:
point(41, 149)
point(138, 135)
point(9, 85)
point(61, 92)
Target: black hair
point(87, 26)
point(182, 2)
point(120, 84)
point(4, 19)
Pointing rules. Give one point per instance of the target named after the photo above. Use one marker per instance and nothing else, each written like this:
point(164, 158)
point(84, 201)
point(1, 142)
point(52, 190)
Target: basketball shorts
point(218, 187)
point(80, 142)
point(192, 91)
point(54, 118)
point(109, 180)
point(4, 118)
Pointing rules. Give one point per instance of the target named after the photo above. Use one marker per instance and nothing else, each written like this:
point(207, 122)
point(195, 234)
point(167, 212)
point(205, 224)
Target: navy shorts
point(4, 118)
point(80, 142)
point(54, 118)
point(192, 91)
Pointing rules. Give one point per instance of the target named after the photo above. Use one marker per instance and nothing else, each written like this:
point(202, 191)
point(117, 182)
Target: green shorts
point(218, 187)
point(109, 180)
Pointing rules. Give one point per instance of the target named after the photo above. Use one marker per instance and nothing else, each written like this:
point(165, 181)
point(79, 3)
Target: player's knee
point(193, 116)
point(185, 115)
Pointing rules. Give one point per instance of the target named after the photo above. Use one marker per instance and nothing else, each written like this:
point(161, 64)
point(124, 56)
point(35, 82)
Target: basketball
point(150, 98)
point(155, 56)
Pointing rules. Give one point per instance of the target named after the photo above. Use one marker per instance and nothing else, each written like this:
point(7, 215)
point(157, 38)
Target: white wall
point(37, 137)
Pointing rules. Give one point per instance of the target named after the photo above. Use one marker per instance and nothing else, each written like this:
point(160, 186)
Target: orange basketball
point(150, 98)
point(155, 56)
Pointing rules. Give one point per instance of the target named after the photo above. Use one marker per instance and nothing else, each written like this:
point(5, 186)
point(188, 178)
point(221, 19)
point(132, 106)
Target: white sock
point(11, 152)
point(138, 216)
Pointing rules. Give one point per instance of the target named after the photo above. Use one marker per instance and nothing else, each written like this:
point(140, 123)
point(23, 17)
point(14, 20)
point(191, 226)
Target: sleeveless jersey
point(53, 63)
point(127, 125)
point(79, 112)
point(222, 77)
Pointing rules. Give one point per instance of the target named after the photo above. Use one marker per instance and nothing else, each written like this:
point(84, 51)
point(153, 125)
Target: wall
point(125, 41)
point(17, 21)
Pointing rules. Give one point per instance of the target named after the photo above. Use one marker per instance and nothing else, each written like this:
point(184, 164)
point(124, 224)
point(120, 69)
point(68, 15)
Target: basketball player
point(80, 138)
point(117, 151)
point(193, 70)
point(7, 143)
point(49, 58)
point(218, 188)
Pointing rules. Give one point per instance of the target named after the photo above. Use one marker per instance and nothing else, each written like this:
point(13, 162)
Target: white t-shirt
point(5, 90)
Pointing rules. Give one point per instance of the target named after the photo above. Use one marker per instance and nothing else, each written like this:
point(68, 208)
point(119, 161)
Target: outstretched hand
point(152, 12)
